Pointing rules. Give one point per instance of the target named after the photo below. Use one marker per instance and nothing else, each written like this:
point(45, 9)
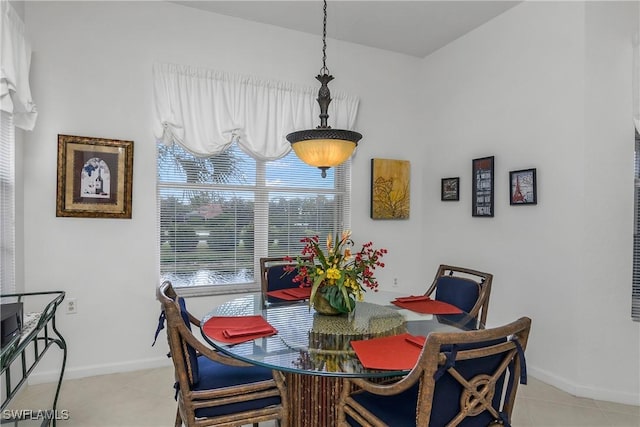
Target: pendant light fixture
point(324, 147)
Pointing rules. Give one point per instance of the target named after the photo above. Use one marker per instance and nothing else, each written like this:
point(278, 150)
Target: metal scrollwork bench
point(19, 356)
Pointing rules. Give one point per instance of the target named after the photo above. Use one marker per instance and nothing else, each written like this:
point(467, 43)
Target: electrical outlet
point(395, 282)
point(72, 306)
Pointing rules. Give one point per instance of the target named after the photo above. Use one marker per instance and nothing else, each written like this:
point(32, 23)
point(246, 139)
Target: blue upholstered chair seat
point(214, 375)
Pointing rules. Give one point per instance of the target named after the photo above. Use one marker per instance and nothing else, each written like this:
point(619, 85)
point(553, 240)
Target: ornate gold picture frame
point(95, 177)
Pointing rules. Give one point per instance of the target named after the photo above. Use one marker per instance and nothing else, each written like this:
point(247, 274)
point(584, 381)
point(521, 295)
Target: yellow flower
point(333, 273)
point(329, 243)
point(347, 253)
point(319, 271)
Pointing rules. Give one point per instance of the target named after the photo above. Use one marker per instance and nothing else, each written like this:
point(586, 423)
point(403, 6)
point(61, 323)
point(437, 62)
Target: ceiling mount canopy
point(324, 147)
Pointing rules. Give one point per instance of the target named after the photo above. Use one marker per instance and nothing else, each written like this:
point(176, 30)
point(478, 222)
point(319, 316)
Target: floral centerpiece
point(338, 276)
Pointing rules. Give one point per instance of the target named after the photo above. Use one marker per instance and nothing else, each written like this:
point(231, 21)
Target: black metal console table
point(19, 357)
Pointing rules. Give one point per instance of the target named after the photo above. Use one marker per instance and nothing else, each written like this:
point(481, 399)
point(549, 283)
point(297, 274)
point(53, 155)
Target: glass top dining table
point(314, 344)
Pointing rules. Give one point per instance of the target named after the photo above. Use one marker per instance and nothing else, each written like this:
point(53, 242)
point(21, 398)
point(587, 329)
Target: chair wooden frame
point(484, 280)
point(178, 336)
point(478, 390)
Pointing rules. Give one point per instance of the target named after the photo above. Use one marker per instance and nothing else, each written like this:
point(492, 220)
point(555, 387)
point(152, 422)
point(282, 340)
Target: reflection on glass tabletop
point(311, 343)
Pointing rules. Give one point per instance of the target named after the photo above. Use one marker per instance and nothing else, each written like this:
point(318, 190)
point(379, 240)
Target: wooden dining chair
point(465, 288)
point(274, 277)
point(467, 378)
point(213, 389)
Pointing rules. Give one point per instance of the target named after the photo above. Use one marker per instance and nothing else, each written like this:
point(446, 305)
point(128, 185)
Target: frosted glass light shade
point(324, 147)
point(324, 152)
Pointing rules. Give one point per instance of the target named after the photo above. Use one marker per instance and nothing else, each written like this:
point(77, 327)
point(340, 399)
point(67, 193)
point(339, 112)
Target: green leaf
point(347, 299)
point(314, 288)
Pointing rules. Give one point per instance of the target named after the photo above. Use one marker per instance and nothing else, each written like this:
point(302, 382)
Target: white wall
point(527, 88)
point(608, 223)
point(545, 85)
point(91, 76)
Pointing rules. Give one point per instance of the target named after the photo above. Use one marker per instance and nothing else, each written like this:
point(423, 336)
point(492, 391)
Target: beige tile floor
point(145, 398)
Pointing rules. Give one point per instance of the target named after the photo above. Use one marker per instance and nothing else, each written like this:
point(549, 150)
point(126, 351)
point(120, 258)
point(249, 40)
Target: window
point(635, 291)
point(7, 203)
point(220, 215)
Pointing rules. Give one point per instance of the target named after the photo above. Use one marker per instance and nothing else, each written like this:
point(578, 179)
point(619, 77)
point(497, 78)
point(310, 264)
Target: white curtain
point(206, 110)
point(16, 110)
point(15, 60)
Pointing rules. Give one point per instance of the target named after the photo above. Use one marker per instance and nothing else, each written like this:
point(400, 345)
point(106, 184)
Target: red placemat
point(398, 352)
point(428, 306)
point(291, 294)
point(237, 329)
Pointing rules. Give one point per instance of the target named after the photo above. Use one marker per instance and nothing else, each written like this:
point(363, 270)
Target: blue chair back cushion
point(278, 279)
point(400, 409)
point(191, 356)
point(448, 390)
point(461, 292)
point(215, 375)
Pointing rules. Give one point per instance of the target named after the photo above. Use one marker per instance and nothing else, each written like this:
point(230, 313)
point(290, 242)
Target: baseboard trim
point(583, 391)
point(95, 370)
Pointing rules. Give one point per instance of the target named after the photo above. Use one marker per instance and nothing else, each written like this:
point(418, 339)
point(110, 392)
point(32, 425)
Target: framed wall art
point(522, 187)
point(450, 189)
point(390, 180)
point(483, 184)
point(94, 177)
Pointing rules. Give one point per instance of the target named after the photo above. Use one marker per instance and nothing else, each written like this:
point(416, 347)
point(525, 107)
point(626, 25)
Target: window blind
point(7, 203)
point(635, 291)
point(219, 215)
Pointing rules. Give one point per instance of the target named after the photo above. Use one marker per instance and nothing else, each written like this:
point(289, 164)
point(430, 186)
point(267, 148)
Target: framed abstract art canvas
point(390, 185)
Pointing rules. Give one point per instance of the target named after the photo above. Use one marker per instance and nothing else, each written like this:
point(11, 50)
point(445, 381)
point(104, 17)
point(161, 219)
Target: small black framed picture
point(522, 187)
point(450, 189)
point(482, 195)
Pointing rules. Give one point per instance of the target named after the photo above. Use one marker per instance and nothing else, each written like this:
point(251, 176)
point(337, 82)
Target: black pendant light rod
point(324, 69)
point(324, 95)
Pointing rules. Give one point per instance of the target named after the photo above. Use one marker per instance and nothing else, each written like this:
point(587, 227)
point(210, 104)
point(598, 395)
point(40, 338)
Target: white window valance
point(15, 60)
point(205, 111)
